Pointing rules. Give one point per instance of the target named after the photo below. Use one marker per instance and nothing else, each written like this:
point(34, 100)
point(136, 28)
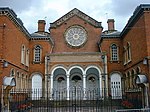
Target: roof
point(75, 12)
point(136, 14)
point(112, 34)
point(12, 15)
point(38, 36)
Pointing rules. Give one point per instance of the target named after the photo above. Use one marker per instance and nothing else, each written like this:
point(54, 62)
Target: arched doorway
point(36, 86)
point(116, 87)
point(93, 82)
point(76, 83)
point(59, 83)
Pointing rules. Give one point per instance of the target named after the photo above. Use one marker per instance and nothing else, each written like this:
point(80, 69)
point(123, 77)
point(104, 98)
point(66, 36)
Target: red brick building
point(76, 52)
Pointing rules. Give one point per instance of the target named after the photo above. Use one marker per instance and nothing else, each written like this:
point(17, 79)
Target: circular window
point(75, 36)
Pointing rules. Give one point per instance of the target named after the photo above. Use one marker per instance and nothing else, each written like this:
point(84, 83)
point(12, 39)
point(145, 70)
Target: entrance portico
point(75, 77)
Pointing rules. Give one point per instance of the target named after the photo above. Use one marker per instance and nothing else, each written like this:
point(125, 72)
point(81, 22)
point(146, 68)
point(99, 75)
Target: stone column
point(51, 88)
point(67, 87)
point(84, 87)
point(100, 85)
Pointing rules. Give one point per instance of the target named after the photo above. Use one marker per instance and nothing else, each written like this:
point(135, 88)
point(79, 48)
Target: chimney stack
point(41, 26)
point(111, 26)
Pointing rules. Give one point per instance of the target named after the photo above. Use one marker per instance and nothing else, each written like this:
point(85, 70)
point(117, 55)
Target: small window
point(138, 70)
point(92, 79)
point(129, 80)
point(37, 53)
point(124, 55)
point(12, 72)
point(27, 57)
point(60, 79)
point(128, 52)
point(114, 52)
point(23, 54)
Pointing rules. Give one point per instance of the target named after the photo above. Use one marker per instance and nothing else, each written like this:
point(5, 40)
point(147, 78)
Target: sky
point(30, 11)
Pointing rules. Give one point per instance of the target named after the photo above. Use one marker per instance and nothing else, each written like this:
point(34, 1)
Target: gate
point(79, 101)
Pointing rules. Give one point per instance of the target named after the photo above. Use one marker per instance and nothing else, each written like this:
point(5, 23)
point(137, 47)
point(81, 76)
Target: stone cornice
point(80, 15)
point(74, 53)
point(75, 57)
point(17, 21)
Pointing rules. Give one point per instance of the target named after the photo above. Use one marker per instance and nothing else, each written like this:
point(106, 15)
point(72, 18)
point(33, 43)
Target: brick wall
point(105, 46)
point(12, 39)
point(60, 43)
point(46, 48)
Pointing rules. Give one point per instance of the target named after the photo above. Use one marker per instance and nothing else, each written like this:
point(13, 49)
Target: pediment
point(78, 13)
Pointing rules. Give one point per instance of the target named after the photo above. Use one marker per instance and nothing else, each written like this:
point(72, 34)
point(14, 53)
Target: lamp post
point(104, 74)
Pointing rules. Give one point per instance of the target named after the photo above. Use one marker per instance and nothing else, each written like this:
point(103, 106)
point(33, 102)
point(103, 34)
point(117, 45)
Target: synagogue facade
point(76, 52)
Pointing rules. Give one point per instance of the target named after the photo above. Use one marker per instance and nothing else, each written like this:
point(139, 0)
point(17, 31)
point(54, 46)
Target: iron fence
point(78, 101)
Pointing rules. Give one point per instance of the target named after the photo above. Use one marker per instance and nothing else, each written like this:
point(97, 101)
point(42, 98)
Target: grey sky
point(30, 11)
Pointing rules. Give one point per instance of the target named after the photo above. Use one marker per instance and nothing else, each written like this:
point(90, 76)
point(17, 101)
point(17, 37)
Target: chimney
point(41, 26)
point(111, 26)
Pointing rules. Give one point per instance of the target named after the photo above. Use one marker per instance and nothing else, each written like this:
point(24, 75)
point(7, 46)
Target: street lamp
point(104, 74)
point(5, 64)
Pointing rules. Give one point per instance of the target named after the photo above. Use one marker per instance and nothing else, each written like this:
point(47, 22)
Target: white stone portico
point(63, 79)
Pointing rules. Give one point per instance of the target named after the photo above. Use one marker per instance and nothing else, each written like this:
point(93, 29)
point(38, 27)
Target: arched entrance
point(92, 79)
point(59, 83)
point(116, 87)
point(36, 86)
point(76, 83)
point(93, 83)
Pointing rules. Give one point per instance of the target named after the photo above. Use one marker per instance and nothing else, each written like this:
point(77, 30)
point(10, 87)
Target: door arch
point(116, 87)
point(76, 82)
point(36, 86)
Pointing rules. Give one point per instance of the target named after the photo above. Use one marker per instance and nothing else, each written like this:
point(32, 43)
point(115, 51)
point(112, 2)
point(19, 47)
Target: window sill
point(114, 61)
point(36, 62)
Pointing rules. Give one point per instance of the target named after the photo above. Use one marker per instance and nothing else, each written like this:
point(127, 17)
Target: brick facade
point(136, 34)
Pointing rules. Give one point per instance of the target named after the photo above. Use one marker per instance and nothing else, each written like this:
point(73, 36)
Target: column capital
point(84, 75)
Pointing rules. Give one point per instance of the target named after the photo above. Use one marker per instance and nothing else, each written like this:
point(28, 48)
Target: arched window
point(37, 53)
point(114, 52)
point(17, 80)
point(23, 54)
point(128, 52)
point(138, 70)
point(21, 81)
point(36, 86)
point(129, 80)
point(133, 78)
point(126, 81)
point(12, 72)
point(124, 55)
point(27, 57)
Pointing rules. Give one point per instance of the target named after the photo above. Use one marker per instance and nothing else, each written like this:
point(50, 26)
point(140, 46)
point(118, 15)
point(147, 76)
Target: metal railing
point(79, 101)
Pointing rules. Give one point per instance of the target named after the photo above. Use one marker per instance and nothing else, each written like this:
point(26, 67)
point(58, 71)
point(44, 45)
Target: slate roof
point(111, 34)
point(136, 14)
point(38, 36)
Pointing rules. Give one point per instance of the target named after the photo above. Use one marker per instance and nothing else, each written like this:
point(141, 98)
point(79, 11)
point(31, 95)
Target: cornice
point(74, 53)
point(13, 17)
point(75, 12)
